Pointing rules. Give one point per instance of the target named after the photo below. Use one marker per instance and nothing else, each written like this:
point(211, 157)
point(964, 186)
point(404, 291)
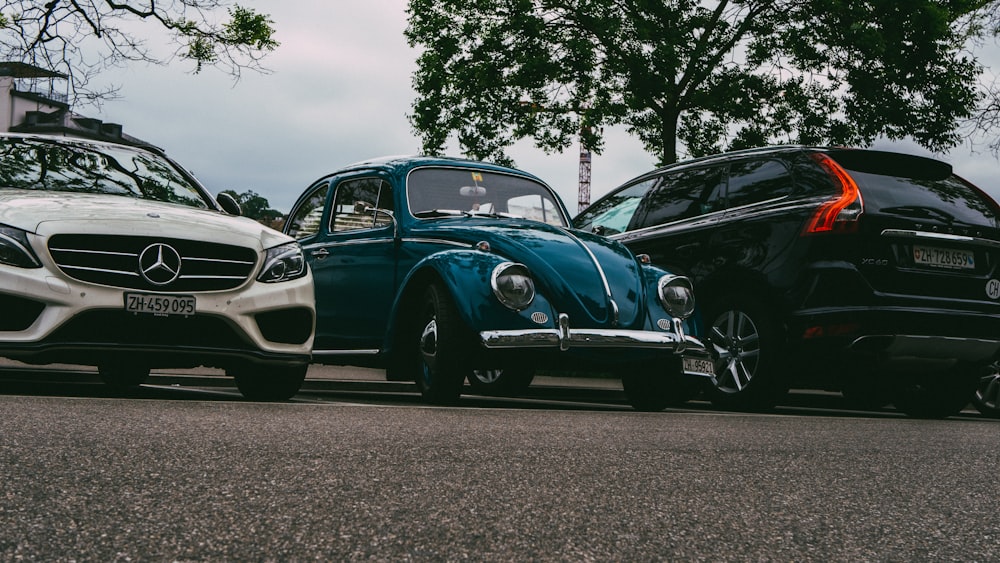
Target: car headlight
point(676, 295)
point(283, 263)
point(513, 286)
point(15, 249)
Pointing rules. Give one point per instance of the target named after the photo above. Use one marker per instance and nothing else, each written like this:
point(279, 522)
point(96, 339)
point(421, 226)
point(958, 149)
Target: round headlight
point(513, 286)
point(676, 296)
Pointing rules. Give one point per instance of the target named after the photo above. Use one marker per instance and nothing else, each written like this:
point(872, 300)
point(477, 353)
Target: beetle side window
point(306, 220)
point(758, 180)
point(613, 214)
point(356, 202)
point(684, 195)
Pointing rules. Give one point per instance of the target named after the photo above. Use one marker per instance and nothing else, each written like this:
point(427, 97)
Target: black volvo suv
point(871, 272)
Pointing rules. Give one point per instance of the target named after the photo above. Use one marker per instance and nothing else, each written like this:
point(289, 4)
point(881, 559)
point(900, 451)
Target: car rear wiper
point(920, 211)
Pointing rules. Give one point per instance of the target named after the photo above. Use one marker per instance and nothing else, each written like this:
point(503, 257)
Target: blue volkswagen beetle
point(441, 270)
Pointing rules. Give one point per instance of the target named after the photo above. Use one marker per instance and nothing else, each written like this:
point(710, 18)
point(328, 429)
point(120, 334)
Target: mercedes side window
point(684, 195)
point(757, 180)
point(307, 219)
point(362, 204)
point(614, 214)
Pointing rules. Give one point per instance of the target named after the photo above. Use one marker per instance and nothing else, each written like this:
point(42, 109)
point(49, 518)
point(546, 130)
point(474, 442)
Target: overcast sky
point(340, 92)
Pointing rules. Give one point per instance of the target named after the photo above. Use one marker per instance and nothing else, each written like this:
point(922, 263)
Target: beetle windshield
point(438, 192)
point(79, 166)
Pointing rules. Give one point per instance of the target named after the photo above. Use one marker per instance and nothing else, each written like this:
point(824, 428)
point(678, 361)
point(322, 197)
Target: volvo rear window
point(916, 187)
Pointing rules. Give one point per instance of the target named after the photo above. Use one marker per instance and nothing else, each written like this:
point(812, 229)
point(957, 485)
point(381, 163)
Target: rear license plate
point(160, 305)
point(699, 366)
point(943, 258)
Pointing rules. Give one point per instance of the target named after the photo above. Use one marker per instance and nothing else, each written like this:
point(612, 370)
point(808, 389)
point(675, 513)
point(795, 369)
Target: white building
point(30, 103)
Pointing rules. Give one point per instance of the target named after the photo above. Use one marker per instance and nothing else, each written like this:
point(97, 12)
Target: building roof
point(25, 70)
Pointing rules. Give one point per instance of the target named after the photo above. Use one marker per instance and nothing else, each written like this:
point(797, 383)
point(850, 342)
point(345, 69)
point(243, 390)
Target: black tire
point(501, 382)
point(123, 376)
point(270, 384)
point(654, 390)
point(986, 398)
point(442, 348)
point(935, 395)
point(865, 389)
point(751, 370)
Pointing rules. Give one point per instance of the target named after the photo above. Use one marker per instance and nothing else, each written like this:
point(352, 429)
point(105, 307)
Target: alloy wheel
point(736, 341)
point(987, 396)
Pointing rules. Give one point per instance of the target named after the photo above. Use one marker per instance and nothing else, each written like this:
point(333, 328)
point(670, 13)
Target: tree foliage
point(255, 206)
point(80, 38)
point(985, 122)
point(688, 75)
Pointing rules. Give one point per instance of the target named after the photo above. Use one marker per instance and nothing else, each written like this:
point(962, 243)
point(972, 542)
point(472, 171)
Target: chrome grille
point(114, 261)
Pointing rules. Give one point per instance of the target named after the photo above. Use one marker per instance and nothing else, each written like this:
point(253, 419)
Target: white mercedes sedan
point(114, 256)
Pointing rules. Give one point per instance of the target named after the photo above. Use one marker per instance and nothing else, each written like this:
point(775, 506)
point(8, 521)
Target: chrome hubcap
point(736, 341)
point(428, 348)
point(487, 375)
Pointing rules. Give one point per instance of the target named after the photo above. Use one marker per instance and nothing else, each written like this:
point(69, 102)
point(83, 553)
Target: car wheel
point(986, 398)
point(123, 376)
point(653, 391)
point(441, 348)
point(865, 389)
point(751, 372)
point(935, 395)
point(270, 383)
point(501, 381)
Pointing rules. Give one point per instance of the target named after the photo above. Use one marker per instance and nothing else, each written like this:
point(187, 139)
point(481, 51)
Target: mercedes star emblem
point(159, 264)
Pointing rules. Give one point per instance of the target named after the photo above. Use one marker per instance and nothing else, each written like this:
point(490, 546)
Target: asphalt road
point(184, 473)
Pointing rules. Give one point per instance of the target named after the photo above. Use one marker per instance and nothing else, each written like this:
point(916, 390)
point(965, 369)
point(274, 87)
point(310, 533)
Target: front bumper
point(84, 323)
point(564, 338)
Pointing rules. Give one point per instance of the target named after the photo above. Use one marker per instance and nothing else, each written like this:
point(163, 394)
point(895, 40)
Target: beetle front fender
point(466, 274)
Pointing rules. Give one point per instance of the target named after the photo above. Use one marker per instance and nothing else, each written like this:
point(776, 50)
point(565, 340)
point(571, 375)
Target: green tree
point(255, 206)
point(984, 125)
point(689, 75)
point(82, 38)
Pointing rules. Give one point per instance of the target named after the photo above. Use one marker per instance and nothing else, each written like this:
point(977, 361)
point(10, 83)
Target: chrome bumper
point(565, 338)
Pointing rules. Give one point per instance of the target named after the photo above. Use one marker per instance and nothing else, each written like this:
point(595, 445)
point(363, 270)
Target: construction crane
point(583, 196)
point(583, 193)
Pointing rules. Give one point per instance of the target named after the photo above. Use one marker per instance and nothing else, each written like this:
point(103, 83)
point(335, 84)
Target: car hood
point(48, 213)
point(575, 270)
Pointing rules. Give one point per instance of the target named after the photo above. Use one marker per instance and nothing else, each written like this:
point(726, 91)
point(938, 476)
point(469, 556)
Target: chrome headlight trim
point(283, 263)
point(676, 294)
point(513, 286)
point(15, 250)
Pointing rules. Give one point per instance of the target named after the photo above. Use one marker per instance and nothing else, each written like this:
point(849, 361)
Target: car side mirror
point(229, 204)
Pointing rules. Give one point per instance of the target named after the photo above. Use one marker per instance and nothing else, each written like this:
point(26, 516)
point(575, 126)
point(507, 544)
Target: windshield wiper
point(494, 214)
point(439, 213)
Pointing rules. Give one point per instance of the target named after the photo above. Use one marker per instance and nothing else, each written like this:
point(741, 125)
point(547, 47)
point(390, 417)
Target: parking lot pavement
point(319, 377)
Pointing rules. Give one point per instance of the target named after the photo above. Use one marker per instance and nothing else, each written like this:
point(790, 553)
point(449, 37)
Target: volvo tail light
point(841, 214)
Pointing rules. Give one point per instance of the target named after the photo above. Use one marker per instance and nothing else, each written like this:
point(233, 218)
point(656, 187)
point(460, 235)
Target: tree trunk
point(668, 138)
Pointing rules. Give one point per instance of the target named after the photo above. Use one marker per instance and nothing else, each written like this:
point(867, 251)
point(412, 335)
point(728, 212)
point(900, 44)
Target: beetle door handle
point(320, 254)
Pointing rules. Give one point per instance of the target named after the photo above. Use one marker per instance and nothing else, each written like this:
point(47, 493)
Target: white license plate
point(160, 305)
point(699, 366)
point(943, 258)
